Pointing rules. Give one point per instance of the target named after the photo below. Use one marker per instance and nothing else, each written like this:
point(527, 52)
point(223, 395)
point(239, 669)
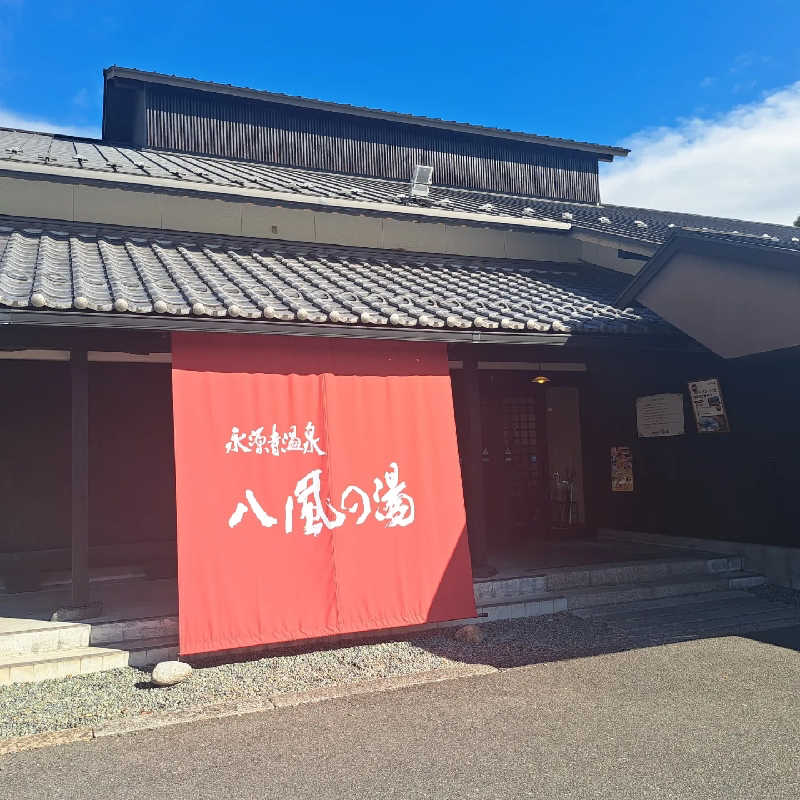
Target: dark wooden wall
point(739, 485)
point(214, 124)
point(131, 462)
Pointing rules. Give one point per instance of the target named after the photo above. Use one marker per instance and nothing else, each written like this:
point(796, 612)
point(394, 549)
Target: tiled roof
point(98, 158)
point(79, 267)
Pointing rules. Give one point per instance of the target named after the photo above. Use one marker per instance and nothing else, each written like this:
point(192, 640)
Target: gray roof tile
point(97, 158)
point(82, 267)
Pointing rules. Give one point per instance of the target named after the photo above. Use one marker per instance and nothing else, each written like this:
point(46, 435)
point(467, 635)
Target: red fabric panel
point(390, 551)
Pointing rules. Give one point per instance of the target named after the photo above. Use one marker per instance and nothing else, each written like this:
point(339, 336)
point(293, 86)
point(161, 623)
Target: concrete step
point(531, 607)
point(33, 667)
point(21, 636)
point(650, 590)
point(703, 605)
point(714, 616)
point(673, 601)
point(149, 651)
point(134, 630)
point(741, 629)
point(611, 595)
point(679, 618)
point(629, 572)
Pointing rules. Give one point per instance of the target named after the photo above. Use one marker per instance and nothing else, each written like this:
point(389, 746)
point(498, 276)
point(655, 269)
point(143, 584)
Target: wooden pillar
point(79, 374)
point(473, 470)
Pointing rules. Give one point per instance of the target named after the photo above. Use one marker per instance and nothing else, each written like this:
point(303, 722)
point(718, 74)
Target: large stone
point(470, 633)
point(168, 673)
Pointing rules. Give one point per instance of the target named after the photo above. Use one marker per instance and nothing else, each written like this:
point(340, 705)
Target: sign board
point(660, 415)
point(709, 409)
point(318, 489)
point(621, 469)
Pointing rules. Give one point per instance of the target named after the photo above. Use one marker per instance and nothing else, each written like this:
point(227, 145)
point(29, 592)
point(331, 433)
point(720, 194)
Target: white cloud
point(743, 164)
point(9, 119)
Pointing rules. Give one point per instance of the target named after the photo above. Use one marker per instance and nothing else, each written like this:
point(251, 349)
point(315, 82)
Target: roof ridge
point(700, 216)
point(196, 171)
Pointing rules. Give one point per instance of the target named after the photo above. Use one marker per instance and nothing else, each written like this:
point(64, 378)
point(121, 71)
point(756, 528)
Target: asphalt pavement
point(711, 718)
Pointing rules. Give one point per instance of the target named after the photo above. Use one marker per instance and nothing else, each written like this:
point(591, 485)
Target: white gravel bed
point(87, 700)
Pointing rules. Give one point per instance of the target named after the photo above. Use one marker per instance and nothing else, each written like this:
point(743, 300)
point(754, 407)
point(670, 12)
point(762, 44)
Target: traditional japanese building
point(607, 368)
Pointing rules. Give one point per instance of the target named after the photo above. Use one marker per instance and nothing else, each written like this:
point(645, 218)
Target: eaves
point(151, 323)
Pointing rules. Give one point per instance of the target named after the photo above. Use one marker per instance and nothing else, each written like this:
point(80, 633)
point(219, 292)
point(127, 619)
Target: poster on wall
point(660, 415)
point(318, 489)
point(621, 469)
point(709, 409)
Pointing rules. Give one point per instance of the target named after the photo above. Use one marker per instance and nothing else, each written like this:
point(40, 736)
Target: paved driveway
point(713, 718)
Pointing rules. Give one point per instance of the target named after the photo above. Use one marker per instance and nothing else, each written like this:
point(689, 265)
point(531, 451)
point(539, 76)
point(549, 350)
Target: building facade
point(212, 211)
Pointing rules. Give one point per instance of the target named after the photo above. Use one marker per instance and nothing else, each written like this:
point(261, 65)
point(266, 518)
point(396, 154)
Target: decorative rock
point(470, 633)
point(168, 673)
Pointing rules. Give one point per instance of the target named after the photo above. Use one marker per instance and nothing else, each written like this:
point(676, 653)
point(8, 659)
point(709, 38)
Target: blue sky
point(583, 70)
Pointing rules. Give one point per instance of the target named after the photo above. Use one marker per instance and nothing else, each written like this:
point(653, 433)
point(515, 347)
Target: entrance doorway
point(514, 457)
point(531, 461)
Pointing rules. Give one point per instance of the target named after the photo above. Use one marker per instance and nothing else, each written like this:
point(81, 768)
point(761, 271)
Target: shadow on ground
point(788, 638)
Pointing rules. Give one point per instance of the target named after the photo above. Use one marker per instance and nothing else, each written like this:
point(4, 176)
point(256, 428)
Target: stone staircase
point(33, 650)
point(147, 641)
point(572, 588)
point(683, 617)
point(682, 597)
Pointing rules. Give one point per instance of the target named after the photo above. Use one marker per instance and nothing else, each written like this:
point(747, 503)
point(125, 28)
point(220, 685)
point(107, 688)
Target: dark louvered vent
point(200, 122)
point(144, 109)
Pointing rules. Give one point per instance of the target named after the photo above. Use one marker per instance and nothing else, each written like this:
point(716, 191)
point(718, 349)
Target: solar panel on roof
point(421, 179)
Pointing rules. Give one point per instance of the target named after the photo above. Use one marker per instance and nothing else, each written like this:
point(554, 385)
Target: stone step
point(149, 651)
point(674, 601)
point(705, 606)
point(741, 629)
point(712, 628)
point(650, 590)
point(21, 636)
point(134, 630)
point(554, 580)
point(713, 614)
point(532, 607)
point(588, 596)
point(33, 667)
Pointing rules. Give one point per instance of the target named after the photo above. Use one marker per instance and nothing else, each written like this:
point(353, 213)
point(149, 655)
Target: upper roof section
point(148, 109)
point(98, 160)
point(603, 151)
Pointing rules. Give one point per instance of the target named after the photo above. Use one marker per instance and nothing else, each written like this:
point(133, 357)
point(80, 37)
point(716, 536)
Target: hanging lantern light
point(540, 379)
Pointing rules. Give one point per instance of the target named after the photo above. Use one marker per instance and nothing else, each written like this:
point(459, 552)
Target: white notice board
point(659, 415)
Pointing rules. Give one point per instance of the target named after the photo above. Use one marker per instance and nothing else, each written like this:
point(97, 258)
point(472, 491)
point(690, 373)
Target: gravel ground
point(90, 699)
